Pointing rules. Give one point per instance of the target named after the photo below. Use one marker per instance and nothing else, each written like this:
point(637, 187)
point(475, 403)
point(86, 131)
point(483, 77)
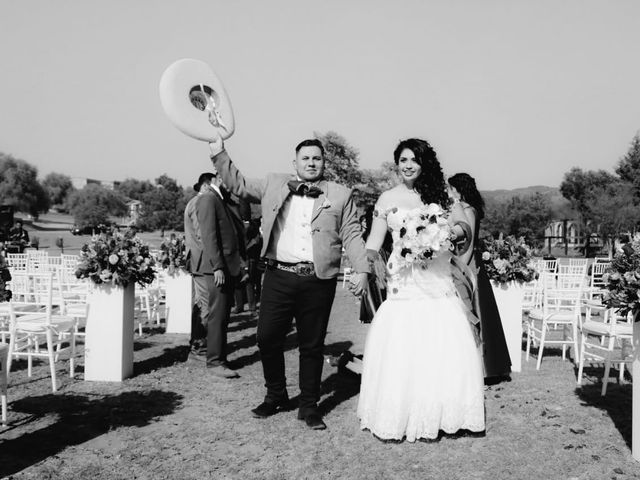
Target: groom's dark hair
point(204, 177)
point(310, 142)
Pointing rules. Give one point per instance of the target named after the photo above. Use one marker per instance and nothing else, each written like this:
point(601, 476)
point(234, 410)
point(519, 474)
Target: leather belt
point(304, 269)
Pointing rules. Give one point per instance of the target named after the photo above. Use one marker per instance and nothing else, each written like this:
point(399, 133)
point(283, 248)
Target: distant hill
point(559, 204)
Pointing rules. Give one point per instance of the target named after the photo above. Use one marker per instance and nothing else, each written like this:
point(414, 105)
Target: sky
point(513, 92)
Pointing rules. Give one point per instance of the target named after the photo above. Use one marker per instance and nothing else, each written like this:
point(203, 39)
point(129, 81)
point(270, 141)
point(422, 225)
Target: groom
point(306, 222)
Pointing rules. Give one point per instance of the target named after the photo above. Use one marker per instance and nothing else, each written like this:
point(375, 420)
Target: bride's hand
point(358, 283)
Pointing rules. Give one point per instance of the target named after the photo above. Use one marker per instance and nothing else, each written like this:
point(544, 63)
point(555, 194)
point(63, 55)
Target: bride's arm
point(377, 234)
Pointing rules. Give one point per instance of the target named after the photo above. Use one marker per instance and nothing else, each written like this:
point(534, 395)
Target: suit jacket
point(334, 221)
point(212, 238)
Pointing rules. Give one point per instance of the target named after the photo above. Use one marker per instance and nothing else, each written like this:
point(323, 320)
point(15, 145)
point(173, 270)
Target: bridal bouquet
point(507, 259)
point(173, 254)
point(424, 232)
point(116, 258)
point(623, 280)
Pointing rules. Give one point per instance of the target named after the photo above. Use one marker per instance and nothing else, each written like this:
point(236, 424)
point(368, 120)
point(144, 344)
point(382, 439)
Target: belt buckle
point(305, 269)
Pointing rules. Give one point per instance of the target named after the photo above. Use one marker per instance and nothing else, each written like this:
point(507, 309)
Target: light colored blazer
point(334, 222)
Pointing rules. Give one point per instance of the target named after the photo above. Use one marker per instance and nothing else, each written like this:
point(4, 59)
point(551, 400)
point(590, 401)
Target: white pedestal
point(109, 334)
point(635, 407)
point(509, 297)
point(178, 302)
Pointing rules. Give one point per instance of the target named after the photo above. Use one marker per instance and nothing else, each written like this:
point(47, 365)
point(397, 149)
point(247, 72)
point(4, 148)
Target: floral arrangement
point(116, 258)
point(622, 281)
point(5, 276)
point(507, 259)
point(424, 232)
point(173, 254)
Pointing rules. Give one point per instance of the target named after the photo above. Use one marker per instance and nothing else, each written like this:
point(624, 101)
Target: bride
point(422, 371)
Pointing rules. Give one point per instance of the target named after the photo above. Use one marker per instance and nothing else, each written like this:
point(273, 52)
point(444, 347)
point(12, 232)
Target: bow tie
point(307, 189)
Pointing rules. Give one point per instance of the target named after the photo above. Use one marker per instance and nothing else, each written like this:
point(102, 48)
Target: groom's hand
point(358, 283)
point(216, 145)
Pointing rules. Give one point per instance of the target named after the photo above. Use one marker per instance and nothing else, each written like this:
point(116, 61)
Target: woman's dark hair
point(430, 184)
point(466, 187)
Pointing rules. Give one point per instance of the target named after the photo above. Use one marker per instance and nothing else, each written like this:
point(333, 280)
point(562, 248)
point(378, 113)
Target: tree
point(134, 189)
point(58, 187)
point(163, 206)
point(521, 216)
point(94, 204)
point(628, 168)
point(373, 183)
point(579, 186)
point(342, 163)
point(19, 186)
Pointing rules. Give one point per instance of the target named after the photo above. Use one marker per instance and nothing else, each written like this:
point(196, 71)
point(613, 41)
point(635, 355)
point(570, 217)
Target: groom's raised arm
point(251, 190)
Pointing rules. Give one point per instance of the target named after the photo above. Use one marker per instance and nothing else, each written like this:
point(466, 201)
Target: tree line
point(600, 201)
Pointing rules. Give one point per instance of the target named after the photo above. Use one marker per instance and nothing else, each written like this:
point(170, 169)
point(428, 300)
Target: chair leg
point(72, 359)
point(543, 334)
point(581, 359)
point(528, 350)
point(29, 357)
point(605, 377)
point(52, 363)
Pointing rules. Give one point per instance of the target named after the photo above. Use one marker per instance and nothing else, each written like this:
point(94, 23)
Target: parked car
point(89, 229)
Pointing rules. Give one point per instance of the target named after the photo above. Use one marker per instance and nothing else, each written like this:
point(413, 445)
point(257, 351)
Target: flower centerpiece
point(177, 286)
point(116, 258)
point(622, 281)
point(508, 263)
point(423, 233)
point(114, 262)
point(507, 259)
point(173, 254)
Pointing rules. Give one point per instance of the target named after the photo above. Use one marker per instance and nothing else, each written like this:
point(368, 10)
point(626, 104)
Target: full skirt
point(422, 371)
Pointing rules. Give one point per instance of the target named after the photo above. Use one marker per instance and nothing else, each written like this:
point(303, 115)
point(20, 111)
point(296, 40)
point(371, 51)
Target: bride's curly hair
point(430, 184)
point(466, 187)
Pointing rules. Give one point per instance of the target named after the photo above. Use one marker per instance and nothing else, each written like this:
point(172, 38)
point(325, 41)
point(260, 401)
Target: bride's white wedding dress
point(422, 370)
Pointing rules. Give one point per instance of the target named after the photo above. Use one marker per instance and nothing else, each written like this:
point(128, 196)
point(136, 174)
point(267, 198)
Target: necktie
point(307, 189)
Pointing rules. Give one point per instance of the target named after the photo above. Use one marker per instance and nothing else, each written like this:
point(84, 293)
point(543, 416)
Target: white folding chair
point(33, 322)
point(560, 313)
point(346, 276)
point(73, 297)
point(596, 284)
point(606, 339)
point(17, 262)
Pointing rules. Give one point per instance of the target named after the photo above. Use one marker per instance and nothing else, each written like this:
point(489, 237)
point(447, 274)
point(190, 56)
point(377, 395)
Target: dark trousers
point(286, 295)
point(210, 315)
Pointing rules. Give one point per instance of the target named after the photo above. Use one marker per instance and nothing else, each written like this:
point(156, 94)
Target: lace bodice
point(432, 280)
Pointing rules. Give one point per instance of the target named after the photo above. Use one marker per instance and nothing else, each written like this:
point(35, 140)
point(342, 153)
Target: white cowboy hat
point(195, 100)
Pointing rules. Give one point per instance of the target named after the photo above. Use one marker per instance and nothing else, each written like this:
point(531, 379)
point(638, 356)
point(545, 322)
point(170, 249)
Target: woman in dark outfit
point(495, 353)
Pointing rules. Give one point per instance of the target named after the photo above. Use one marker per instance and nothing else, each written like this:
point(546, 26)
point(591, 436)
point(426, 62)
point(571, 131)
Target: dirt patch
point(172, 420)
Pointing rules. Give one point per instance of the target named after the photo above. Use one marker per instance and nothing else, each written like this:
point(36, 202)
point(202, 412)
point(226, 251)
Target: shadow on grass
point(242, 322)
point(79, 419)
point(170, 356)
point(617, 404)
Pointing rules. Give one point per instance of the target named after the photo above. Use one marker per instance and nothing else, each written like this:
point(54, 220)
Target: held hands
point(358, 283)
point(216, 145)
point(218, 278)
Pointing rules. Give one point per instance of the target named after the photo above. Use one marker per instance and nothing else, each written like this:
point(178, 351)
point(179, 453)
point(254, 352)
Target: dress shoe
point(314, 421)
point(222, 371)
point(267, 409)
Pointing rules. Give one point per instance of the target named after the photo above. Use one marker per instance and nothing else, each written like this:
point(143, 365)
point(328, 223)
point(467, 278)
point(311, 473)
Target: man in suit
point(214, 260)
point(306, 221)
